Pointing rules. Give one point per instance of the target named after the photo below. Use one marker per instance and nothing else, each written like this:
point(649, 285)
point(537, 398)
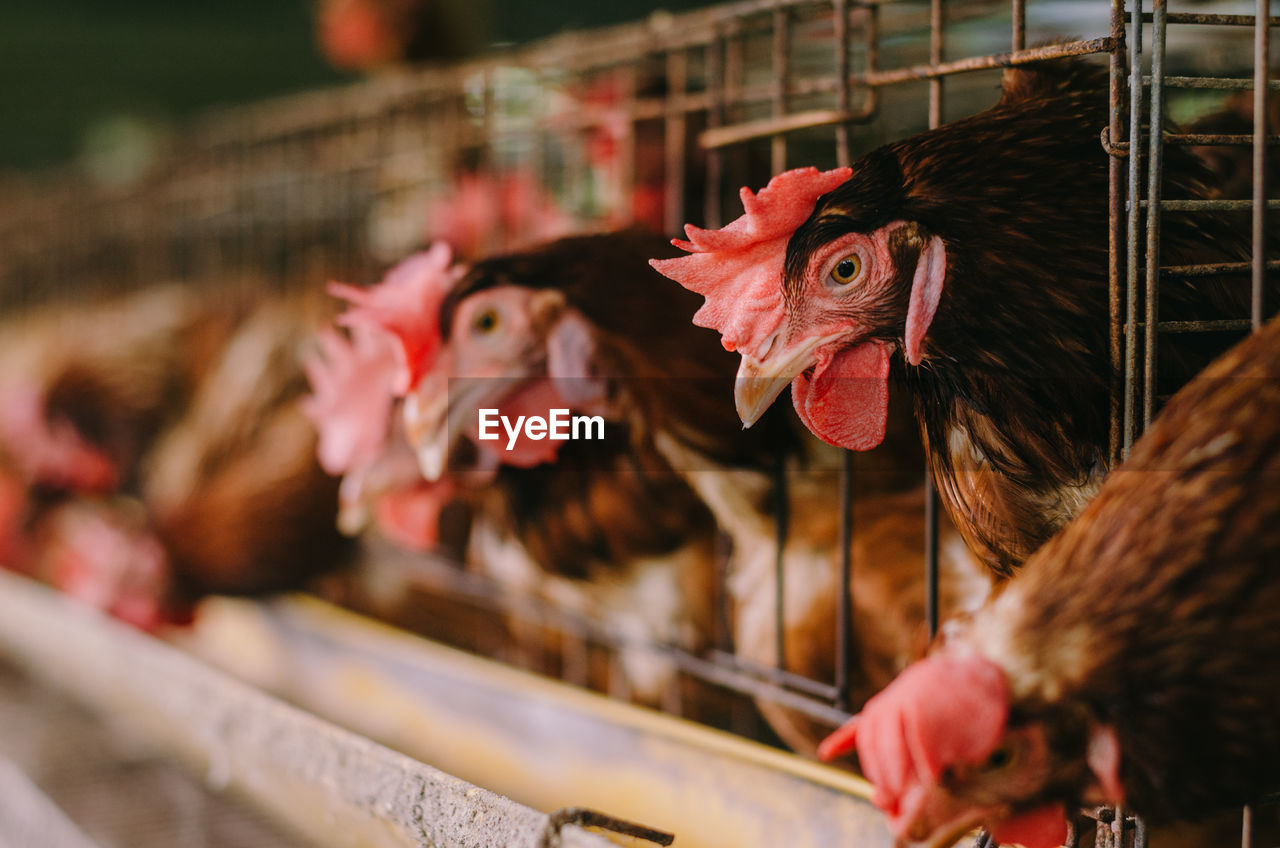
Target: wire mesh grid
point(655, 124)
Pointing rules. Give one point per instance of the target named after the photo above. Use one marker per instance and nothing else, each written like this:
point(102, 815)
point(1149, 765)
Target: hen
point(233, 489)
point(604, 526)
point(156, 452)
point(1132, 661)
point(973, 259)
point(85, 388)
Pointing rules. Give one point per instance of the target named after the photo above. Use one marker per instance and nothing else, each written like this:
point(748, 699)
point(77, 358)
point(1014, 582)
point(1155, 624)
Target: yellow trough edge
point(544, 743)
point(334, 787)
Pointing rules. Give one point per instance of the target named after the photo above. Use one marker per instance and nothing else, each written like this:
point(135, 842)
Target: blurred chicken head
point(103, 555)
point(48, 450)
point(519, 350)
point(356, 381)
point(406, 305)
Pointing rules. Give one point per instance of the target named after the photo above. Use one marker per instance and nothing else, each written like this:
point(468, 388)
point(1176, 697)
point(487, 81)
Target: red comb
point(406, 304)
point(739, 268)
point(941, 711)
point(351, 398)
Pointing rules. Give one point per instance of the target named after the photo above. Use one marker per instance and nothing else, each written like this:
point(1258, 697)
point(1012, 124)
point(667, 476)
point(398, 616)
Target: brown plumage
point(101, 379)
point(161, 451)
point(663, 377)
point(1156, 610)
point(1133, 659)
point(972, 259)
point(607, 527)
point(1012, 392)
point(233, 489)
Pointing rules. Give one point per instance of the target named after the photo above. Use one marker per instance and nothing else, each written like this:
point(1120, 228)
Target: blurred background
point(78, 73)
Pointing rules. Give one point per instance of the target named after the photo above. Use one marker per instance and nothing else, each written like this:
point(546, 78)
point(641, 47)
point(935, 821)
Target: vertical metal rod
point(1132, 227)
point(782, 80)
point(1139, 832)
point(1246, 816)
point(935, 58)
point(840, 10)
point(930, 554)
point(626, 188)
point(1261, 61)
point(782, 519)
point(1019, 24)
point(930, 493)
point(675, 139)
point(1155, 173)
point(844, 609)
point(1073, 833)
point(1115, 234)
point(715, 117)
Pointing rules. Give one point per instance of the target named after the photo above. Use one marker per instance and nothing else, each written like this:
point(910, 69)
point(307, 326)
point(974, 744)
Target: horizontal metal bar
point(1186, 139)
point(1214, 139)
point(1201, 138)
point(978, 63)
point(1199, 326)
point(1213, 20)
point(737, 681)
point(766, 127)
point(1210, 205)
point(1214, 269)
point(776, 675)
point(1204, 326)
point(1216, 83)
point(441, 576)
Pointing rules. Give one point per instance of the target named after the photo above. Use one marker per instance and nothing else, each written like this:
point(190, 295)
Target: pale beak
point(426, 413)
point(439, 412)
point(760, 381)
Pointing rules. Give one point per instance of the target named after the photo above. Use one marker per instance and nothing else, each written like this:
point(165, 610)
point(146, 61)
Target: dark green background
point(68, 64)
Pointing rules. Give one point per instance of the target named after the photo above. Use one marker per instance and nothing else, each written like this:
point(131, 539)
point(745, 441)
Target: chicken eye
point(847, 270)
point(486, 322)
point(1001, 758)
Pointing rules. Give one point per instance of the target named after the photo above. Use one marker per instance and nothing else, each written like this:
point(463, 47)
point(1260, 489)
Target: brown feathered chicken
point(1133, 661)
point(233, 490)
point(160, 452)
point(605, 526)
point(972, 258)
point(86, 387)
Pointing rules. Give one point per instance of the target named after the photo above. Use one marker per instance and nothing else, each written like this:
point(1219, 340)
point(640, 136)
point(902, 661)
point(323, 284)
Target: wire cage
point(658, 124)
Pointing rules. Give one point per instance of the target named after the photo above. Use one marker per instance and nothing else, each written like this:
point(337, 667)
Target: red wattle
point(537, 398)
point(846, 404)
point(1043, 827)
point(411, 517)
